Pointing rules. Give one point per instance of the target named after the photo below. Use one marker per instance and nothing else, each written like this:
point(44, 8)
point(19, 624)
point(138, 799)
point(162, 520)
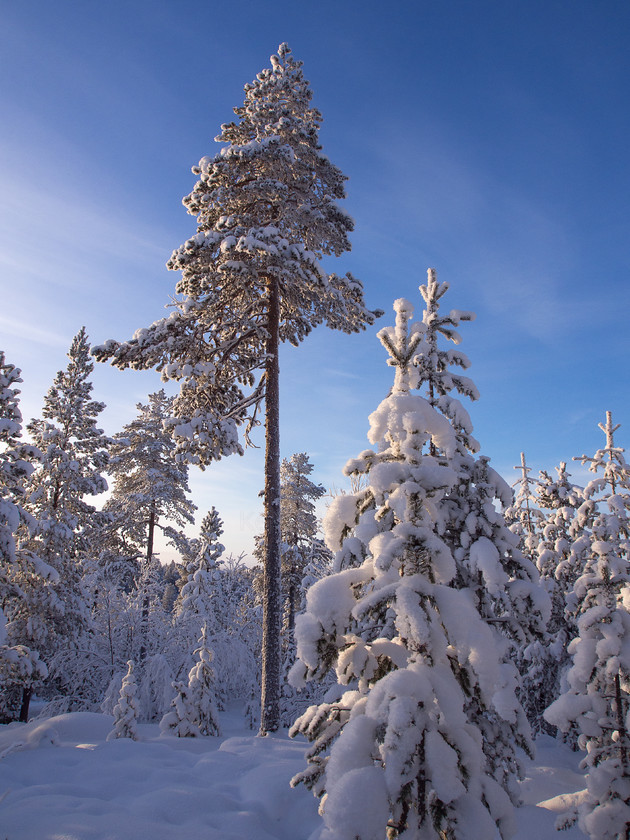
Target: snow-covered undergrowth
point(61, 780)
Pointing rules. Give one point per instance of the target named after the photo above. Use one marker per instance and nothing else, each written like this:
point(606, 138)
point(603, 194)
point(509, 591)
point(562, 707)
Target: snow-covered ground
point(61, 780)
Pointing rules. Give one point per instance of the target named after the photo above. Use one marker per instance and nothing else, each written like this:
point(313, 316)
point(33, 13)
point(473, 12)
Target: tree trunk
point(270, 695)
point(151, 534)
point(26, 701)
point(144, 618)
point(292, 599)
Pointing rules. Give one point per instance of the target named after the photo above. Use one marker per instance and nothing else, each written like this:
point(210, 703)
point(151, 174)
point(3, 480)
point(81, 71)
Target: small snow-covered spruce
point(562, 539)
point(559, 565)
point(219, 593)
point(252, 278)
point(398, 749)
point(151, 622)
point(179, 721)
point(199, 602)
point(196, 598)
point(525, 519)
point(598, 694)
point(126, 710)
point(201, 689)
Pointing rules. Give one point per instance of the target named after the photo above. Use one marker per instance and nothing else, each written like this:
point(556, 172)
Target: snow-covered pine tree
point(179, 721)
point(503, 582)
point(523, 517)
point(74, 457)
point(298, 526)
point(23, 575)
point(150, 485)
point(556, 551)
point(252, 278)
point(525, 520)
point(597, 701)
point(218, 592)
point(427, 676)
point(126, 710)
point(202, 688)
point(559, 563)
point(196, 596)
point(302, 551)
point(200, 600)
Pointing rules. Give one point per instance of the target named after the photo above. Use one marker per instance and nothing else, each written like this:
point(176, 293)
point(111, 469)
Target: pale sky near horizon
point(488, 140)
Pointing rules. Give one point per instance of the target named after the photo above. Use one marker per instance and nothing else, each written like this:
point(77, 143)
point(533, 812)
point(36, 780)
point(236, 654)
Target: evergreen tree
point(74, 457)
point(422, 741)
point(201, 689)
point(150, 620)
point(150, 485)
point(525, 520)
point(559, 566)
point(179, 721)
point(557, 550)
point(202, 576)
point(23, 575)
point(598, 694)
point(298, 527)
point(126, 710)
point(252, 278)
point(503, 582)
point(523, 517)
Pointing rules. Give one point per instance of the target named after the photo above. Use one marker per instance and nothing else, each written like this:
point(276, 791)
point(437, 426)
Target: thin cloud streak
point(27, 331)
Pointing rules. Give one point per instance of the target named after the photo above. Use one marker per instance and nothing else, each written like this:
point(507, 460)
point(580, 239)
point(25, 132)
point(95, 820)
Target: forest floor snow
point(61, 780)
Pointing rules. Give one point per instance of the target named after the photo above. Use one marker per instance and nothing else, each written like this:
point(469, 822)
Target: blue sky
point(488, 140)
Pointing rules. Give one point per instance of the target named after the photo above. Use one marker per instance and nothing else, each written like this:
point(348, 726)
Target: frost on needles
point(267, 212)
point(430, 594)
point(252, 278)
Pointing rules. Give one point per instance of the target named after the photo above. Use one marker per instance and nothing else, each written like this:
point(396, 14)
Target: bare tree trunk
point(144, 618)
point(272, 608)
point(621, 727)
point(26, 702)
point(292, 599)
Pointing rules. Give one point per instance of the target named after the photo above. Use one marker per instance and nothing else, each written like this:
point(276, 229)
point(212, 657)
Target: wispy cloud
point(24, 329)
point(55, 234)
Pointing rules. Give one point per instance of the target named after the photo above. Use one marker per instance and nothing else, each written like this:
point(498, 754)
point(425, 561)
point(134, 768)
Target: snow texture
point(60, 778)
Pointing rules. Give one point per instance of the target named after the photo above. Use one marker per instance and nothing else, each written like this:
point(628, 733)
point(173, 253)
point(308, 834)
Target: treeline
point(82, 590)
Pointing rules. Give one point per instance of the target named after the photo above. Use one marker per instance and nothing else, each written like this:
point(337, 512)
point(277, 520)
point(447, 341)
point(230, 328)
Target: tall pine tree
point(252, 278)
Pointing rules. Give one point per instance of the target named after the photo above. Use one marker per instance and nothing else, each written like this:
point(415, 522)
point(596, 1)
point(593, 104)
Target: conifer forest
point(394, 654)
